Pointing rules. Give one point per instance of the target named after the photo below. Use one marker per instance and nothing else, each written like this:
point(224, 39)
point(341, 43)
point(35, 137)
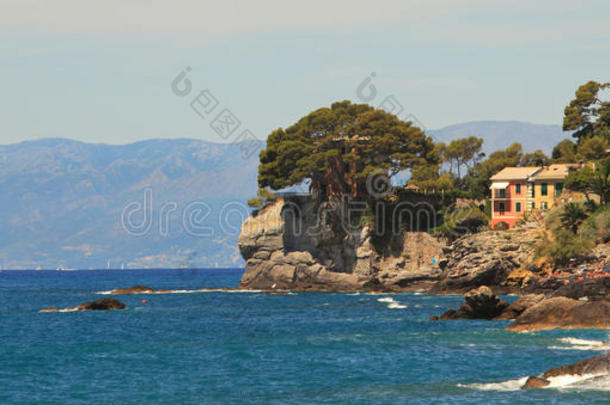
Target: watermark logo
point(378, 184)
point(225, 123)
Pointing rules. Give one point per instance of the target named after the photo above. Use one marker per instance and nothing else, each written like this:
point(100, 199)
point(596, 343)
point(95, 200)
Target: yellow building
point(546, 186)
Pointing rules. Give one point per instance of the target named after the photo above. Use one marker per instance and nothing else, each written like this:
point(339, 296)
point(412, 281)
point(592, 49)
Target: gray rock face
point(485, 258)
point(296, 243)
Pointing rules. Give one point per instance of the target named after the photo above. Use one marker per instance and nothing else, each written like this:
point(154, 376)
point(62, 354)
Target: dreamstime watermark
point(199, 219)
point(383, 214)
point(225, 123)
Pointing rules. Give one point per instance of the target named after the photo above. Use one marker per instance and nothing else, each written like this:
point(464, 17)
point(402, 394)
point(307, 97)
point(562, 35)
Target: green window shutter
point(558, 189)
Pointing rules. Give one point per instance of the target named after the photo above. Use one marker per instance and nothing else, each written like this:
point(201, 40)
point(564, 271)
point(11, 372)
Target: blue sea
point(236, 347)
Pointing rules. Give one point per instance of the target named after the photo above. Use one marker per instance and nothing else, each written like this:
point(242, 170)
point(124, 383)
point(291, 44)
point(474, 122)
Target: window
point(518, 207)
point(533, 205)
point(517, 188)
point(543, 189)
point(558, 189)
point(544, 205)
point(501, 208)
point(501, 193)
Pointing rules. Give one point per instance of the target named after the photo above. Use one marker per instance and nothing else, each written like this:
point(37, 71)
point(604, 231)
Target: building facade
point(517, 190)
point(510, 194)
point(547, 185)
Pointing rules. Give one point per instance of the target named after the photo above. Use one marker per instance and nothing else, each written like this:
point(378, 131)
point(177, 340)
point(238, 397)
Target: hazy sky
point(101, 71)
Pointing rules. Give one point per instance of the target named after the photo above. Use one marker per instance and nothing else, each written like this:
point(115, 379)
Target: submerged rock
point(104, 304)
point(564, 313)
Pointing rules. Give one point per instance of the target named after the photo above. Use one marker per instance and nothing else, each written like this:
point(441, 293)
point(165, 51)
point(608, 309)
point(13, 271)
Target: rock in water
point(564, 313)
point(104, 304)
point(535, 382)
point(593, 367)
point(598, 365)
point(136, 289)
point(480, 303)
point(518, 307)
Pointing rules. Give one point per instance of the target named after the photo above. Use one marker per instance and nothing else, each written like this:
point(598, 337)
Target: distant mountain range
point(152, 204)
point(501, 134)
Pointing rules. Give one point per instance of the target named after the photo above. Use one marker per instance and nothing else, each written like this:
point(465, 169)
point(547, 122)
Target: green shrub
point(255, 202)
point(565, 246)
point(263, 197)
point(572, 216)
point(597, 227)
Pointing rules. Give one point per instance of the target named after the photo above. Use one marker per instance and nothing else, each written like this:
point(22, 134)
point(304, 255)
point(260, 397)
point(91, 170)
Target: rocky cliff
point(298, 243)
point(487, 258)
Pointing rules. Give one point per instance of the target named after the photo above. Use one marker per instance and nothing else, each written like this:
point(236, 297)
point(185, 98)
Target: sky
point(102, 71)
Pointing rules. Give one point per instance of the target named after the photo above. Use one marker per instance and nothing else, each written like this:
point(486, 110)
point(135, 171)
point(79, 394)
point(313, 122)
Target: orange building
point(516, 190)
point(510, 194)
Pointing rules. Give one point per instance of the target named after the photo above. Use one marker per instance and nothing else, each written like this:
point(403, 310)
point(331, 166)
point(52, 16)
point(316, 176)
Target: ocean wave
point(509, 385)
point(581, 344)
point(596, 382)
point(392, 304)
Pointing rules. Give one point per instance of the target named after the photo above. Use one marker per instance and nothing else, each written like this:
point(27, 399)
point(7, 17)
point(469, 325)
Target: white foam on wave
point(581, 344)
point(509, 385)
point(392, 304)
point(595, 382)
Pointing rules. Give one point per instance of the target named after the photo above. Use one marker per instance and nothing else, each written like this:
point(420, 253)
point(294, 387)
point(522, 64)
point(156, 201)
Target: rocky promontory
point(300, 244)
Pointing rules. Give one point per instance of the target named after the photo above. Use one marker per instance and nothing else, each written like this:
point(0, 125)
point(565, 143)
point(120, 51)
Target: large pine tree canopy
point(337, 148)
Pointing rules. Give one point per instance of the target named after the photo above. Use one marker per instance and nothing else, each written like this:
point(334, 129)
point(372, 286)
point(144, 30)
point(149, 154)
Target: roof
point(515, 173)
point(555, 171)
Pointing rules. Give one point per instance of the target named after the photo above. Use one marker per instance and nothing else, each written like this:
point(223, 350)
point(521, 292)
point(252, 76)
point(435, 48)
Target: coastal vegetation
point(350, 149)
point(336, 149)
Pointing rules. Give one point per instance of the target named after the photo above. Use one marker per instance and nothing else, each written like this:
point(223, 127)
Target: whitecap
point(596, 382)
point(509, 385)
point(392, 304)
point(581, 344)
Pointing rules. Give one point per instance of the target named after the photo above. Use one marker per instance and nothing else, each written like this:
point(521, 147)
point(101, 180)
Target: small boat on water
point(61, 268)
